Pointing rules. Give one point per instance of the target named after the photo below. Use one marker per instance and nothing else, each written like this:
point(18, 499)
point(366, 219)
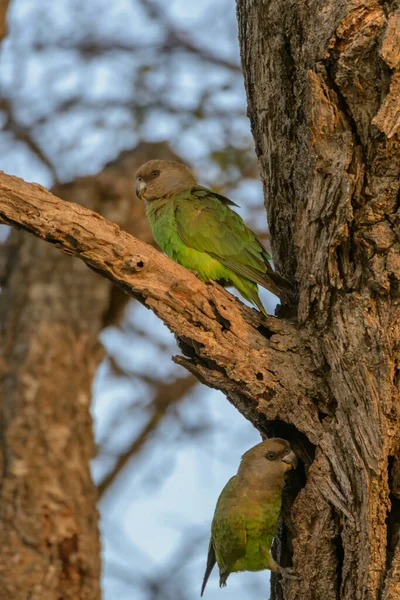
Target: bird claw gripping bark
point(287, 574)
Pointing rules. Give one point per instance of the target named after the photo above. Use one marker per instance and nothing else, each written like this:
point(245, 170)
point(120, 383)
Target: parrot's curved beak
point(290, 459)
point(140, 188)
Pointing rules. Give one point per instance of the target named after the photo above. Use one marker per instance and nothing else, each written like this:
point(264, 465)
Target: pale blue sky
point(168, 494)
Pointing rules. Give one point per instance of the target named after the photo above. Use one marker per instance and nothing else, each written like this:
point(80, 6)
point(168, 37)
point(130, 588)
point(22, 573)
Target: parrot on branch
point(197, 228)
point(247, 513)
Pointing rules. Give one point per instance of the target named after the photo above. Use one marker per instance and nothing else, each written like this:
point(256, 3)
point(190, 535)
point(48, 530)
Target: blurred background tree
point(93, 83)
point(91, 90)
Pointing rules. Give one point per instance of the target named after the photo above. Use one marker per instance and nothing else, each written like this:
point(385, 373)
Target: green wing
point(228, 535)
point(206, 223)
point(229, 538)
point(228, 530)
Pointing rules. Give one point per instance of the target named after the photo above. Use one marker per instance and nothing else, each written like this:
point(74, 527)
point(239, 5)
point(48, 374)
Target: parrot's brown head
point(271, 458)
point(162, 179)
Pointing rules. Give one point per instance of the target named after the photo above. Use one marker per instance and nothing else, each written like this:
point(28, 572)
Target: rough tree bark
point(323, 88)
point(264, 366)
point(51, 312)
point(321, 82)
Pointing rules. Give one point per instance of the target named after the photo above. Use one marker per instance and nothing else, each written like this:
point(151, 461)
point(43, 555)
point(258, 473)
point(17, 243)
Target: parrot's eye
point(270, 455)
point(138, 179)
point(155, 173)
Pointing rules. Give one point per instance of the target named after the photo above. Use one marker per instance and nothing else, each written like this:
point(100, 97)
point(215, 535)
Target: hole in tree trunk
point(267, 333)
point(282, 548)
point(339, 551)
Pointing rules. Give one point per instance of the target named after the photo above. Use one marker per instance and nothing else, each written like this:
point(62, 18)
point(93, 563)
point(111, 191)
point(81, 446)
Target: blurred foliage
point(81, 81)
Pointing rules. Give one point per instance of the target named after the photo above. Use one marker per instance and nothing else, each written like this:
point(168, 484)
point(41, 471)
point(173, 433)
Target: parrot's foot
point(195, 273)
point(288, 574)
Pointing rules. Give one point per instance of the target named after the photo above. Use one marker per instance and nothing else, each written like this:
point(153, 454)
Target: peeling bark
point(322, 83)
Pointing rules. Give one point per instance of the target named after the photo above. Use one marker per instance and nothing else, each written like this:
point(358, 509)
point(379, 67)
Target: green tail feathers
point(249, 290)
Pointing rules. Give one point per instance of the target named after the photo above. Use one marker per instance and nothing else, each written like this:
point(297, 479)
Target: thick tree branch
point(263, 365)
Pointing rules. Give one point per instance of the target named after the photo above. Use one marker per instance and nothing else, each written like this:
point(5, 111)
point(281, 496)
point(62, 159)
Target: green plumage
point(247, 512)
point(199, 231)
point(243, 527)
point(197, 228)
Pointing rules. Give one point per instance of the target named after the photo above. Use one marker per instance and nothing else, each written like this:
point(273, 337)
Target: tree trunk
point(323, 88)
point(51, 312)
